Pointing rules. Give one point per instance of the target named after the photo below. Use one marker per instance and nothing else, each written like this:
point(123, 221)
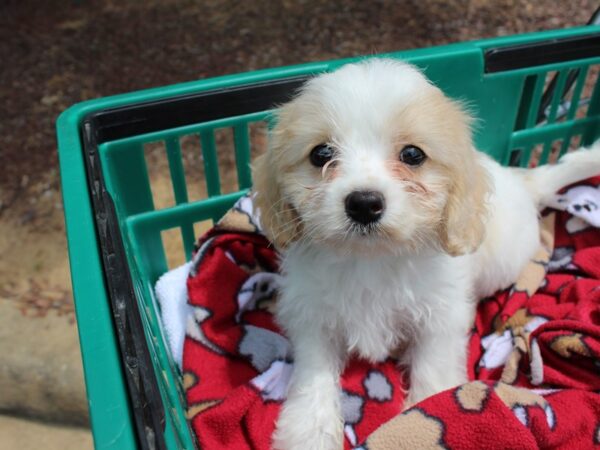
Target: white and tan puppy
point(390, 226)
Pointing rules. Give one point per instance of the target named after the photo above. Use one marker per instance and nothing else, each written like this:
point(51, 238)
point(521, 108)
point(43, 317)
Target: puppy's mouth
point(362, 230)
point(360, 240)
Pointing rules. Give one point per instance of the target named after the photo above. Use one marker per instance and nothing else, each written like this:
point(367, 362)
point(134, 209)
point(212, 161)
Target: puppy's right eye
point(321, 155)
point(412, 155)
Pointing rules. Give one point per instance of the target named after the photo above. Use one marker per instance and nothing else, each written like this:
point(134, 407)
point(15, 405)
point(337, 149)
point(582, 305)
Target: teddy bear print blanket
point(534, 351)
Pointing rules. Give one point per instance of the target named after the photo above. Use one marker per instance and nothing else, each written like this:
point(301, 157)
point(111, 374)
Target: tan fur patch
point(408, 431)
point(279, 219)
point(472, 396)
point(463, 223)
point(568, 346)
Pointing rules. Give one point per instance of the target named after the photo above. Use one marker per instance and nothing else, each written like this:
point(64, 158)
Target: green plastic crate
point(114, 229)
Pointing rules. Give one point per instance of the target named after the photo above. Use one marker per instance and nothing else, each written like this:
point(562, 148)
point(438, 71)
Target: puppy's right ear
point(278, 218)
point(466, 212)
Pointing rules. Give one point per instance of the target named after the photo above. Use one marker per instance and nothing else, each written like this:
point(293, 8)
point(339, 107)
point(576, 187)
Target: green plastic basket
point(114, 229)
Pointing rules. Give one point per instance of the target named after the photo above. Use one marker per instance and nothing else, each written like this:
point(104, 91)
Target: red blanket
point(534, 354)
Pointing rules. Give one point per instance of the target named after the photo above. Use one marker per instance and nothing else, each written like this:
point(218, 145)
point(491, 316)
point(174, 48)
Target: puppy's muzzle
point(365, 207)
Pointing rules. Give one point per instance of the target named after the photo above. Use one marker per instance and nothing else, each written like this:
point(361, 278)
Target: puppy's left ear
point(465, 215)
point(278, 218)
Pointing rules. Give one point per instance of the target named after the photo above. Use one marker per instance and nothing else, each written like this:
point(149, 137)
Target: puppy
point(390, 226)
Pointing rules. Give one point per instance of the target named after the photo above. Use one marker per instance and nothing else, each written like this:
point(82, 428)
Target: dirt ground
point(56, 53)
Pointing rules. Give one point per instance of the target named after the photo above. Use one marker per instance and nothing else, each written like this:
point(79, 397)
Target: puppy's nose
point(365, 207)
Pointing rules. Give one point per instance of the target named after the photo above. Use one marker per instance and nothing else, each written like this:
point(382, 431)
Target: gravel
point(57, 53)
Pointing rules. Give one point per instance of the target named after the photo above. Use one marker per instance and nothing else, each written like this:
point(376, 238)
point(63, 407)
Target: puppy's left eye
point(412, 155)
point(321, 155)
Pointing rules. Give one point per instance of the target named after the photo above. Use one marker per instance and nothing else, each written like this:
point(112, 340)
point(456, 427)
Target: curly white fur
point(455, 229)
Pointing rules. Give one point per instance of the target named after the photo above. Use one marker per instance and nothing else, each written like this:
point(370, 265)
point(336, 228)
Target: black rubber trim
point(131, 120)
point(541, 53)
point(148, 409)
point(571, 78)
point(143, 118)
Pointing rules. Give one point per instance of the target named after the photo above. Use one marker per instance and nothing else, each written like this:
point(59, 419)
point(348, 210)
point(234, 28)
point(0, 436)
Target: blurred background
point(56, 53)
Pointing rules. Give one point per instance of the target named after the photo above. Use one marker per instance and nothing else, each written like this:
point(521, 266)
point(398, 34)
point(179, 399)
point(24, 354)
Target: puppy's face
point(372, 156)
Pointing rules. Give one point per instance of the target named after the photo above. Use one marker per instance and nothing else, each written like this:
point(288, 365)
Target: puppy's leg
point(437, 363)
point(437, 359)
point(311, 416)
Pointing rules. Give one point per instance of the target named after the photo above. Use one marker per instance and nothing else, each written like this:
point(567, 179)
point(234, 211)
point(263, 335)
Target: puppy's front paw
point(308, 424)
point(410, 400)
point(422, 388)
